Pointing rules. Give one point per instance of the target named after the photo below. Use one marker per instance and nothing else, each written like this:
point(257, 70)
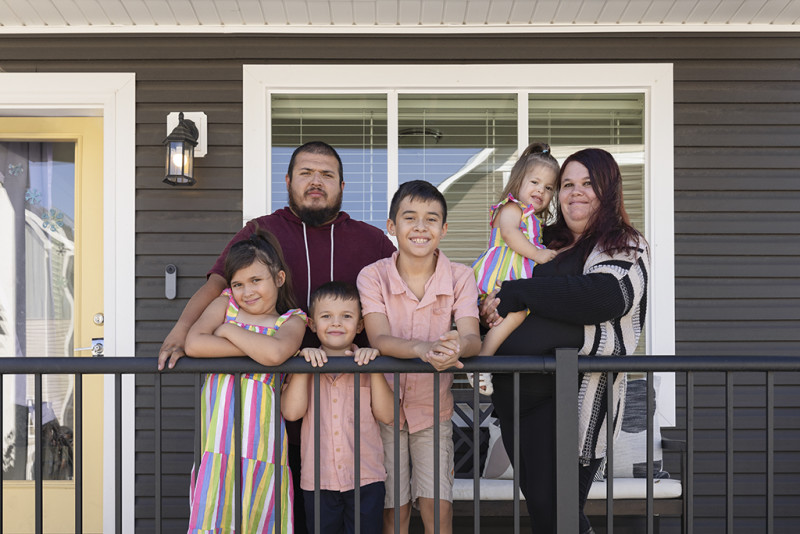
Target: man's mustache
point(316, 189)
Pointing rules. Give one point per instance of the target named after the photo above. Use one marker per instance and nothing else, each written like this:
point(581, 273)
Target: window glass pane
point(355, 125)
point(37, 294)
point(613, 122)
point(465, 145)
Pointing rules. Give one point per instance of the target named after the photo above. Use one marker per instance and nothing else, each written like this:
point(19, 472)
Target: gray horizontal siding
point(737, 192)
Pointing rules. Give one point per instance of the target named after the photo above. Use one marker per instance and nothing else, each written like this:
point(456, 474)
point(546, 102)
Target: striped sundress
point(212, 486)
point(500, 263)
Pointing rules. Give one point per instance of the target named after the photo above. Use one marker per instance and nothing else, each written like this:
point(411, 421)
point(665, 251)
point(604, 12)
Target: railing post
point(118, 452)
point(317, 486)
point(688, 477)
point(157, 455)
point(237, 452)
point(567, 440)
point(610, 405)
point(356, 452)
point(516, 452)
point(38, 441)
point(396, 425)
point(770, 452)
point(729, 450)
point(279, 429)
point(476, 468)
point(77, 440)
point(2, 398)
point(437, 451)
point(651, 414)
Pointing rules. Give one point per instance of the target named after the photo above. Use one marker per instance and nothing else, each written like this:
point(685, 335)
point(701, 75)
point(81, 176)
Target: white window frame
point(654, 80)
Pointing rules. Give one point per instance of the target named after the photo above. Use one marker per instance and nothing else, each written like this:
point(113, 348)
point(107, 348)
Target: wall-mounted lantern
point(181, 143)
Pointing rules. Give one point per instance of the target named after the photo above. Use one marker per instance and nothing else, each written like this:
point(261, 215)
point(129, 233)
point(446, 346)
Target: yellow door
point(51, 304)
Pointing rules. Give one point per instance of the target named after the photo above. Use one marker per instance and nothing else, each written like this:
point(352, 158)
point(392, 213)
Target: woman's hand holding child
point(488, 310)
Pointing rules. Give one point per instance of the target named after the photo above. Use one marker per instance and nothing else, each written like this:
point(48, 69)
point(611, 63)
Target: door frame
point(112, 96)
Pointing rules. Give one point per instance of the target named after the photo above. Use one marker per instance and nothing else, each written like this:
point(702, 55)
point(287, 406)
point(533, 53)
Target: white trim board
point(396, 29)
point(112, 96)
point(655, 80)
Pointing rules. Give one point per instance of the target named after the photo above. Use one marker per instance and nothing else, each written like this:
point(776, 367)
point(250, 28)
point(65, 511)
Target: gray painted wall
point(737, 220)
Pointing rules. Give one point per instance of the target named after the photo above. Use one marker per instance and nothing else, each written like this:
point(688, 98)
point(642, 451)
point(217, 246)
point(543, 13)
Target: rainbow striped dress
point(212, 486)
point(500, 262)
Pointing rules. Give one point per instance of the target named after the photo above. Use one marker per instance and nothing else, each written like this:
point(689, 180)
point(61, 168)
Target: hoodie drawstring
point(331, 253)
point(308, 268)
point(308, 264)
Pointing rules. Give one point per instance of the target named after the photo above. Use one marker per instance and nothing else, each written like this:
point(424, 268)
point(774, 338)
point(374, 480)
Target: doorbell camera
point(170, 281)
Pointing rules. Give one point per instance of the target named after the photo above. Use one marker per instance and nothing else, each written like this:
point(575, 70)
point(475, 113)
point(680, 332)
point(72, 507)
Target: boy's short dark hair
point(336, 291)
point(417, 190)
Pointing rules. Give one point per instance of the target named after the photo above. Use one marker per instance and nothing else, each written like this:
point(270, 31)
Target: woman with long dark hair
point(593, 295)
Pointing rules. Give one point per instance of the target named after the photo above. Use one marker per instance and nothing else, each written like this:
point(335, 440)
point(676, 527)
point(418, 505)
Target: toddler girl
point(254, 317)
point(515, 244)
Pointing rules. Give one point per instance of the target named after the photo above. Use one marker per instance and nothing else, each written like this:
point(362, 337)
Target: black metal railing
point(565, 364)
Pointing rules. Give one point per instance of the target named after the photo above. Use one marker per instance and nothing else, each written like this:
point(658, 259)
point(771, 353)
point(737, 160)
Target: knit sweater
point(617, 336)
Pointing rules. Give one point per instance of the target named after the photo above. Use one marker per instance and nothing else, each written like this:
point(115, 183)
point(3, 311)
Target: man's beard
point(316, 216)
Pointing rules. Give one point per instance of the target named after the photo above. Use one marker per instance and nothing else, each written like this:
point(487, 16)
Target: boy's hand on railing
point(445, 351)
point(363, 355)
point(316, 357)
point(443, 362)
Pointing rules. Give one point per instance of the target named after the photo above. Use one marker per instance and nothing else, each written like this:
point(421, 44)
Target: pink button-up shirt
point(337, 433)
point(450, 294)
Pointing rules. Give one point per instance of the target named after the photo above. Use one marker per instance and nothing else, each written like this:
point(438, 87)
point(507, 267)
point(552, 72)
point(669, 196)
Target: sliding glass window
point(464, 145)
point(353, 124)
point(614, 122)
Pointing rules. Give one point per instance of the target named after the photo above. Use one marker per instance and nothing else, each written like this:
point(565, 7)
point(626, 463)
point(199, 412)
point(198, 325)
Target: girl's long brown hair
point(262, 246)
point(537, 153)
point(609, 227)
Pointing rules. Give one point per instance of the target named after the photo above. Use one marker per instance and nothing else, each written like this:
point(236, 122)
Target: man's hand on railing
point(173, 348)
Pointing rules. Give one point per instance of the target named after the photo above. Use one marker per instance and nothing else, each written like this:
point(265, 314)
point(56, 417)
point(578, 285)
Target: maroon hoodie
point(318, 254)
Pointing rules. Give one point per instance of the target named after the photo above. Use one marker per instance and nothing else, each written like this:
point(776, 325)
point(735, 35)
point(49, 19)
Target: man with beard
point(320, 244)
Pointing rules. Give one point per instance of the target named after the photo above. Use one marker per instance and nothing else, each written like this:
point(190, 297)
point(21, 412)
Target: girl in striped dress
point(255, 317)
point(515, 245)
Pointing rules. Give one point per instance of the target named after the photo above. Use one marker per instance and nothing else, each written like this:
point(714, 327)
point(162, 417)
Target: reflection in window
point(613, 122)
point(37, 203)
point(355, 125)
point(465, 144)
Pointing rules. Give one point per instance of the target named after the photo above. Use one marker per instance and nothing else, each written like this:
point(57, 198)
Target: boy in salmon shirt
point(409, 302)
point(335, 316)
